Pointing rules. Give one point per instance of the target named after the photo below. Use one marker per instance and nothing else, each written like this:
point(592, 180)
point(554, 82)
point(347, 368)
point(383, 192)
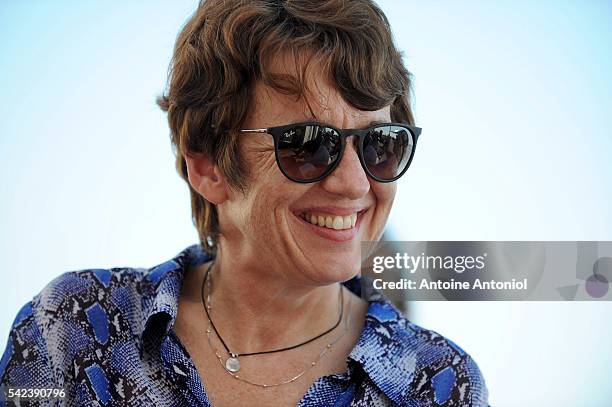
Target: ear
point(206, 178)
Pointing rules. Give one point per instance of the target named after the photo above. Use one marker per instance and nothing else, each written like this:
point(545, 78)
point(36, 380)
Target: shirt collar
point(384, 350)
point(161, 288)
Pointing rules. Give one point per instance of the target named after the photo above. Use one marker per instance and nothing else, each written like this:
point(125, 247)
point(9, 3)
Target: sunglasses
point(309, 152)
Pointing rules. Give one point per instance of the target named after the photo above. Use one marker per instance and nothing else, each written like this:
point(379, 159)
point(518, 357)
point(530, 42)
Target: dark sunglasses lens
point(307, 152)
point(387, 151)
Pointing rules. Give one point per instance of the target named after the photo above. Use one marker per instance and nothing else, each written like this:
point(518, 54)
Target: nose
point(348, 179)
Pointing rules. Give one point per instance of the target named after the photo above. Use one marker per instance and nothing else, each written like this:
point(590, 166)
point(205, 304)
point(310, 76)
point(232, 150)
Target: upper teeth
point(332, 221)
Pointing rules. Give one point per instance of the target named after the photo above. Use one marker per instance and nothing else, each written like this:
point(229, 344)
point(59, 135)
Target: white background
point(514, 101)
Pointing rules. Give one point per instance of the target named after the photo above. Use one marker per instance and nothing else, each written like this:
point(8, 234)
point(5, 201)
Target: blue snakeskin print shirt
point(105, 336)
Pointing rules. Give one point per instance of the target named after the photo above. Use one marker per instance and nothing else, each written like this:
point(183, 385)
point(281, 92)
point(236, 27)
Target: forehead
point(319, 100)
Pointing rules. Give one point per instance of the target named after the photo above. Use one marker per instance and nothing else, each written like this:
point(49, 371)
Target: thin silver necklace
point(232, 363)
point(312, 364)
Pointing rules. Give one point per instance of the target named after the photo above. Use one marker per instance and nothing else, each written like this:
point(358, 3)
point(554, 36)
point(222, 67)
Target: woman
point(290, 121)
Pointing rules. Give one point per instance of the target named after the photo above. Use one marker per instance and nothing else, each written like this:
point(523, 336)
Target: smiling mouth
point(328, 221)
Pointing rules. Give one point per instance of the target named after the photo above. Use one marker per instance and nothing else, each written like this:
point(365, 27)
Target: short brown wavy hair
point(228, 45)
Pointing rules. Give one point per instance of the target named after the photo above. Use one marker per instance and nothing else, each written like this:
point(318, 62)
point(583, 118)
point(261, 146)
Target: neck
point(255, 309)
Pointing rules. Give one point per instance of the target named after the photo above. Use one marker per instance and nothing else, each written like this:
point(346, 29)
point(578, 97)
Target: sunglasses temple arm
point(254, 131)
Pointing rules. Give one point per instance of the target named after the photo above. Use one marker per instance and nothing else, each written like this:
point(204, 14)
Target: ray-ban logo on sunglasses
point(288, 135)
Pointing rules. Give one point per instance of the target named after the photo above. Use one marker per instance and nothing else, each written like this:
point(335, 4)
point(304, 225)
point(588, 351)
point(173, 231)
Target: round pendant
point(232, 364)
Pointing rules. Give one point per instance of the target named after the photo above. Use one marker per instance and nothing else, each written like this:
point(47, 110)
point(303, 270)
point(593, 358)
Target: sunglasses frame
point(277, 131)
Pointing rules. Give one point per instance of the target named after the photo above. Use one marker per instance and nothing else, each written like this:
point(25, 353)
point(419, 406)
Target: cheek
point(384, 194)
point(248, 210)
point(269, 195)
